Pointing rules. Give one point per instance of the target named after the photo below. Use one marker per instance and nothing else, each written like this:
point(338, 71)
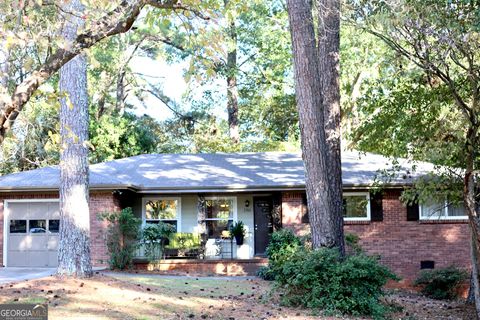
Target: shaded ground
point(121, 296)
point(12, 274)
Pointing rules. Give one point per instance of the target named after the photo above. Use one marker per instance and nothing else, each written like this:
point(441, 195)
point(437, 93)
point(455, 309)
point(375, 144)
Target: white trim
point(358, 194)
point(6, 220)
point(179, 210)
point(443, 215)
point(234, 215)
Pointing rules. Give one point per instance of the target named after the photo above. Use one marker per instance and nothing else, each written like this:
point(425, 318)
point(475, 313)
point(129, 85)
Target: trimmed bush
point(352, 242)
point(265, 273)
point(319, 279)
point(283, 244)
point(122, 237)
point(441, 283)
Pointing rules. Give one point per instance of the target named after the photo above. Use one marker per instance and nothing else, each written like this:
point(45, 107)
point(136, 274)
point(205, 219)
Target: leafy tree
point(438, 103)
point(32, 51)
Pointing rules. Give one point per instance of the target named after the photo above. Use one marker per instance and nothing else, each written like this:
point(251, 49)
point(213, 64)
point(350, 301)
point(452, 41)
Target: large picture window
point(442, 210)
point(220, 213)
point(166, 210)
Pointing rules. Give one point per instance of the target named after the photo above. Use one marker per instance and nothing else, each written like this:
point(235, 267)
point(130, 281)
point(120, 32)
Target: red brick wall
point(100, 201)
point(401, 244)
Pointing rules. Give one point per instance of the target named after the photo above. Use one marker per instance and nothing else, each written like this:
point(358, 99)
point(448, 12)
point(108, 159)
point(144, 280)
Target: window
point(166, 210)
point(356, 206)
point(219, 215)
point(18, 226)
point(37, 226)
point(54, 226)
point(442, 210)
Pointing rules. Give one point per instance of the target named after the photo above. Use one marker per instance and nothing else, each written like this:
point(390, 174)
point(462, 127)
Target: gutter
point(216, 189)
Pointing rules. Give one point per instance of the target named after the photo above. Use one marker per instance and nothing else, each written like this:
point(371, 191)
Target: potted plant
point(238, 231)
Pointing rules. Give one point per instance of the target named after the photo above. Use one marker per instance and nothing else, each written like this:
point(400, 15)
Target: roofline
point(56, 189)
point(216, 189)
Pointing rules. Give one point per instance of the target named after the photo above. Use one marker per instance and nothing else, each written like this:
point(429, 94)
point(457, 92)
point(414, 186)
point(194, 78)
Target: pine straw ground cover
point(127, 296)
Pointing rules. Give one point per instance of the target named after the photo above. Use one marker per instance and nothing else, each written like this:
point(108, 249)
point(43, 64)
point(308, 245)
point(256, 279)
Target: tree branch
point(119, 20)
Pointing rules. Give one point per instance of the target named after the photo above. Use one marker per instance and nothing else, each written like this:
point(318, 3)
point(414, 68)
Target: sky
point(171, 78)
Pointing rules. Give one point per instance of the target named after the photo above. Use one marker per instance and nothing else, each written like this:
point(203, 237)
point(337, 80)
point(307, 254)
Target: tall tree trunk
point(232, 89)
point(308, 83)
point(74, 246)
point(469, 195)
point(328, 12)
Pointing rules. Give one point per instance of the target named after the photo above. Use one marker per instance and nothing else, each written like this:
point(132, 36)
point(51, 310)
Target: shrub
point(283, 244)
point(122, 237)
point(352, 243)
point(266, 273)
point(319, 279)
point(154, 239)
point(441, 283)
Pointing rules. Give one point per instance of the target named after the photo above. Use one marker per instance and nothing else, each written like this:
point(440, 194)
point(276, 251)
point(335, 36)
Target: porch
point(202, 267)
point(201, 225)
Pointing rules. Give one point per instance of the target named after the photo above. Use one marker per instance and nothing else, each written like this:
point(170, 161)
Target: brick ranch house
point(264, 190)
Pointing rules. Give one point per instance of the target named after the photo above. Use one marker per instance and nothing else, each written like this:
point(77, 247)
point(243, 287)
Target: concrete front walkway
point(12, 274)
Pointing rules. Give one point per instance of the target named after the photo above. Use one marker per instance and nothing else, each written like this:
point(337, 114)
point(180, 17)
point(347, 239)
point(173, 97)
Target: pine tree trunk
point(232, 89)
point(474, 222)
point(323, 222)
point(74, 246)
point(328, 12)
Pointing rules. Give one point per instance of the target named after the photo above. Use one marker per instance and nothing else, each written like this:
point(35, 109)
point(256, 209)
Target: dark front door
point(262, 207)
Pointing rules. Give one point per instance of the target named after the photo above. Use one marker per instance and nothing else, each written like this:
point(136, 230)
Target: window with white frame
point(220, 212)
point(166, 210)
point(356, 206)
point(442, 210)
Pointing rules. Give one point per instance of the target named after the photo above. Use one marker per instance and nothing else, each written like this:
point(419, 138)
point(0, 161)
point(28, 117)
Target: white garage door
point(32, 229)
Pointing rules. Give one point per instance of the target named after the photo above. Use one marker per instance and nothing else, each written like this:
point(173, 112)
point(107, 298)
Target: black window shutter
point(376, 206)
point(305, 218)
point(413, 212)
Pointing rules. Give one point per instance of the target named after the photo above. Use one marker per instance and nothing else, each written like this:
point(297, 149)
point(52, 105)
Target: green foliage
point(183, 240)
point(154, 237)
point(237, 229)
point(122, 237)
point(352, 242)
point(441, 283)
point(282, 246)
point(265, 273)
point(320, 279)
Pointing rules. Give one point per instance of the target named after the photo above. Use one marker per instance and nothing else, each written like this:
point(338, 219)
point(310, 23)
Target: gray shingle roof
point(203, 172)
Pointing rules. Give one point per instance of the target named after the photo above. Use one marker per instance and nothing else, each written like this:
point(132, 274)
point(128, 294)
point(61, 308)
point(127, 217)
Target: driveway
point(11, 274)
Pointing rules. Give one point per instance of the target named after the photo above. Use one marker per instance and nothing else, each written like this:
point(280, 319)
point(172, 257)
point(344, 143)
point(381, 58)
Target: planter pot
point(239, 239)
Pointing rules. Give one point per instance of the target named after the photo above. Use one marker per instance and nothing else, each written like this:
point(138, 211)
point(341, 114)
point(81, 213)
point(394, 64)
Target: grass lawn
point(134, 296)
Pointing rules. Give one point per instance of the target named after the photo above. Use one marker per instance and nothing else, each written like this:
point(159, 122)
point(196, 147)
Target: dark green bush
point(352, 242)
point(122, 237)
point(266, 273)
point(320, 279)
point(283, 244)
point(441, 283)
